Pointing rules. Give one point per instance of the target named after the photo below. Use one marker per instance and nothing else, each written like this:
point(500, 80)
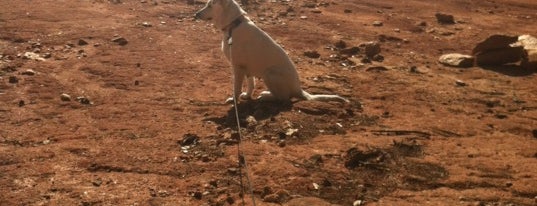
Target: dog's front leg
point(250, 81)
point(238, 78)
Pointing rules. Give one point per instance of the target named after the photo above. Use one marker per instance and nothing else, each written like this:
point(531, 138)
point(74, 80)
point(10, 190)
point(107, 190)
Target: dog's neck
point(228, 30)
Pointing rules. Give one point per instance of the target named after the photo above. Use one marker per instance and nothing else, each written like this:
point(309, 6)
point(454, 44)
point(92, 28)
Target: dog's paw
point(245, 96)
point(229, 100)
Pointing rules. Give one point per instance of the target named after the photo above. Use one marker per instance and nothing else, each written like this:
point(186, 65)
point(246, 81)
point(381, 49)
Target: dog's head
point(220, 12)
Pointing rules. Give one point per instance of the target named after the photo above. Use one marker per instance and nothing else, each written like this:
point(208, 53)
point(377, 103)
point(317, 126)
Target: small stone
point(251, 120)
point(378, 23)
point(460, 83)
point(13, 79)
point(445, 18)
point(198, 195)
point(21, 103)
point(340, 44)
point(120, 40)
point(46, 55)
point(312, 54)
point(350, 51)
point(282, 143)
point(347, 11)
point(65, 97)
point(98, 182)
point(189, 139)
point(28, 72)
point(83, 100)
point(303, 17)
point(82, 42)
point(457, 60)
point(146, 24)
point(233, 170)
point(372, 49)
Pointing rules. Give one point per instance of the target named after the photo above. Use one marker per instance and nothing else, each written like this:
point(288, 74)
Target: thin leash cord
point(242, 160)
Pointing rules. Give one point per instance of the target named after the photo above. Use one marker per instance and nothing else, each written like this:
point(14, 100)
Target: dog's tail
point(323, 97)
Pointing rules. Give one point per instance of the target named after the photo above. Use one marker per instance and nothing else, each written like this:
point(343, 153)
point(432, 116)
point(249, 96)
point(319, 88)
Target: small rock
point(372, 49)
point(378, 58)
point(445, 18)
point(13, 79)
point(378, 23)
point(120, 41)
point(312, 54)
point(65, 97)
point(376, 69)
point(98, 182)
point(21, 103)
point(460, 83)
point(198, 195)
point(350, 51)
point(233, 170)
point(303, 17)
point(83, 100)
point(28, 72)
point(251, 121)
point(340, 44)
point(82, 42)
point(421, 23)
point(33, 56)
point(310, 5)
point(357, 203)
point(457, 60)
point(347, 11)
point(189, 139)
point(146, 24)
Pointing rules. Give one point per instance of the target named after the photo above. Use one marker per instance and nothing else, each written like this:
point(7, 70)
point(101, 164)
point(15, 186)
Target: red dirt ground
point(151, 128)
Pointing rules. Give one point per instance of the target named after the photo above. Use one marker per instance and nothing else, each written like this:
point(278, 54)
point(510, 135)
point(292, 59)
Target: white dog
point(253, 53)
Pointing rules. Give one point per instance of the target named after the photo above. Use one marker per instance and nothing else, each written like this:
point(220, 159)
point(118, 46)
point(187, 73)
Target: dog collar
point(234, 24)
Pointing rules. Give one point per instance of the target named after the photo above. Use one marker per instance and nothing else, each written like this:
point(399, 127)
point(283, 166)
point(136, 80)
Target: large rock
point(457, 60)
point(497, 41)
point(498, 49)
point(500, 56)
point(530, 46)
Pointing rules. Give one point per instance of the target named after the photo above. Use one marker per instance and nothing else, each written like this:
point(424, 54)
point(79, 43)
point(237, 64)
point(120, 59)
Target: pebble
point(82, 42)
point(457, 60)
point(28, 72)
point(13, 80)
point(460, 83)
point(312, 54)
point(83, 100)
point(120, 40)
point(372, 49)
point(378, 23)
point(146, 24)
point(445, 18)
point(65, 97)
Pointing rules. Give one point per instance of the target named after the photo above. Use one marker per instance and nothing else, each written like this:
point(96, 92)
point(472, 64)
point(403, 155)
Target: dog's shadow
point(257, 109)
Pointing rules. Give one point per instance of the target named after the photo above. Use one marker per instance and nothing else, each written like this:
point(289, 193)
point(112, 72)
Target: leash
point(242, 160)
